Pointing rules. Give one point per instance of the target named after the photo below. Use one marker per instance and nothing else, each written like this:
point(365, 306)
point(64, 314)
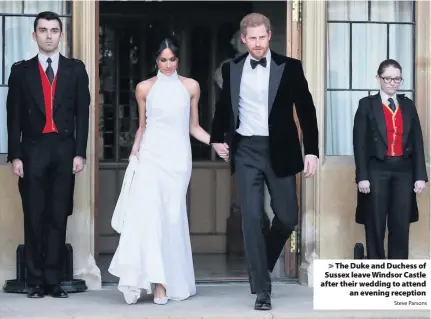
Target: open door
point(294, 50)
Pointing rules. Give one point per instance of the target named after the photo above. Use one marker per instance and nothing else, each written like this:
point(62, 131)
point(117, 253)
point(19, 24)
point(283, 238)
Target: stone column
point(81, 224)
point(314, 62)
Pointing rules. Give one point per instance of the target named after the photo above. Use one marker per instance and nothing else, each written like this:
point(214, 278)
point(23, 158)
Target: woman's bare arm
point(195, 129)
point(142, 90)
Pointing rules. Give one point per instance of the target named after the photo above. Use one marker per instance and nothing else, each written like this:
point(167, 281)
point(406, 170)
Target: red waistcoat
point(48, 96)
point(394, 130)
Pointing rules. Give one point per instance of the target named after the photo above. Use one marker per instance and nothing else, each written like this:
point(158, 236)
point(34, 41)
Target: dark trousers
point(47, 199)
point(391, 184)
point(253, 169)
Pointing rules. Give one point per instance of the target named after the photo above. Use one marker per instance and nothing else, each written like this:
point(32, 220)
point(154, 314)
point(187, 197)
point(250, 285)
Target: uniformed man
point(47, 119)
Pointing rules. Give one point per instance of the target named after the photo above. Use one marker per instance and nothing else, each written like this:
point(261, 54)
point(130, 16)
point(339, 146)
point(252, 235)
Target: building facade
point(341, 44)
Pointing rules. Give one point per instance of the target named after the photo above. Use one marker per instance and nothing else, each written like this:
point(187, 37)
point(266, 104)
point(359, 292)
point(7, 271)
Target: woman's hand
point(134, 152)
point(364, 187)
point(419, 187)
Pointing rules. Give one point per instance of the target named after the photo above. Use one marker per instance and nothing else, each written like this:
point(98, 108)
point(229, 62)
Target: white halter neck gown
point(154, 245)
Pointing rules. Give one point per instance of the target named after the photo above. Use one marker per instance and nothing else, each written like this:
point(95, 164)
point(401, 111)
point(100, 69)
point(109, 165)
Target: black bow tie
point(254, 63)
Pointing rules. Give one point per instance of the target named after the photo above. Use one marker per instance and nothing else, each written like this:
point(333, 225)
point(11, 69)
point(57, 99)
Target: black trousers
point(253, 169)
point(47, 199)
point(391, 183)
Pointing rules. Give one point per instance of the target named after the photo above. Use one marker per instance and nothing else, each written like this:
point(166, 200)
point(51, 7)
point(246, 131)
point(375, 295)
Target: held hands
point(364, 187)
point(419, 186)
point(78, 164)
point(222, 149)
point(17, 168)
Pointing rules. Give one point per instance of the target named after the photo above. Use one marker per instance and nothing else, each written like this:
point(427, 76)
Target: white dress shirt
point(54, 64)
point(253, 98)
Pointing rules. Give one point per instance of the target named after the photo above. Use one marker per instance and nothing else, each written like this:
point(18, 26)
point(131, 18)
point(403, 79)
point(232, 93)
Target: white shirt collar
point(54, 58)
point(385, 97)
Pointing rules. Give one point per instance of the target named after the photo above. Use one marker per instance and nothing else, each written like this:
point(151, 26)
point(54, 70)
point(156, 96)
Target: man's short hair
point(254, 20)
point(48, 15)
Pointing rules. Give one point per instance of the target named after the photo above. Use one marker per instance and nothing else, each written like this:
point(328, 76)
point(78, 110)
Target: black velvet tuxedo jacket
point(287, 87)
point(26, 106)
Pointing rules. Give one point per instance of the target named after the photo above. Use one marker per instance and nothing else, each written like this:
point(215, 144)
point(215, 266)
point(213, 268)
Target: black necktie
point(392, 104)
point(49, 71)
point(254, 63)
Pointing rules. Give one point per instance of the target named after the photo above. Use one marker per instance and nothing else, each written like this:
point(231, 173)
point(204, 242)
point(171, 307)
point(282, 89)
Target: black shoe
point(263, 301)
point(58, 292)
point(35, 292)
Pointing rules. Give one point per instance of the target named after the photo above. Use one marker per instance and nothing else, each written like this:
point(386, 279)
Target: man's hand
point(17, 168)
point(310, 165)
point(78, 164)
point(419, 186)
point(364, 187)
point(222, 149)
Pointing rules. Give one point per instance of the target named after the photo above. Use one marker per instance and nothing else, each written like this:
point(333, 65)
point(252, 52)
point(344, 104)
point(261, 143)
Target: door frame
point(294, 50)
point(96, 241)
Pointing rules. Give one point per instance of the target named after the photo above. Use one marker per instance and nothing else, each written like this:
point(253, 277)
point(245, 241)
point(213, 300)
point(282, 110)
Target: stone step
point(220, 301)
point(257, 315)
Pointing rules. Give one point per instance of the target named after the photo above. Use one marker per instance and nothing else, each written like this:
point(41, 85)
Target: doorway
point(207, 34)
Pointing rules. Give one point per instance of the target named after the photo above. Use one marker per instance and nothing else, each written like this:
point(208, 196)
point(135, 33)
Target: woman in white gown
point(154, 252)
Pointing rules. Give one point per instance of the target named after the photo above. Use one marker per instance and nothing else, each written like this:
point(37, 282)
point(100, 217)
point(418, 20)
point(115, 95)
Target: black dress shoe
point(58, 292)
point(35, 292)
point(263, 301)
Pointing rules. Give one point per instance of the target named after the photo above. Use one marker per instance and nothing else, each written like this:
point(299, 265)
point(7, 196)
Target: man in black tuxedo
point(47, 118)
point(254, 123)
